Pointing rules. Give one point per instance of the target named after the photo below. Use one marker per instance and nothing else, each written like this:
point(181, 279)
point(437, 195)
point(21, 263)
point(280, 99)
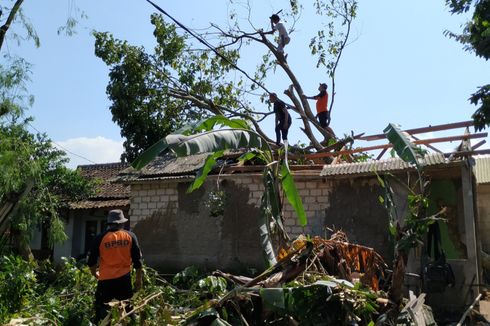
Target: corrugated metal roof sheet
point(169, 164)
point(166, 165)
point(482, 169)
point(391, 164)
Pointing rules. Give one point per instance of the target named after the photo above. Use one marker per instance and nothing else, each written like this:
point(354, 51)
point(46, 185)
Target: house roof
point(108, 193)
point(391, 164)
point(482, 169)
point(109, 203)
point(167, 166)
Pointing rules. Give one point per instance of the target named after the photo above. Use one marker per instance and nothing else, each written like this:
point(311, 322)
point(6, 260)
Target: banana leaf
point(402, 145)
point(292, 194)
point(204, 171)
point(209, 124)
point(270, 211)
point(207, 142)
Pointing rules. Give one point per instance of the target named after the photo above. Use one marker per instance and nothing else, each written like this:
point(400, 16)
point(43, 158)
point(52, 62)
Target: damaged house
point(216, 226)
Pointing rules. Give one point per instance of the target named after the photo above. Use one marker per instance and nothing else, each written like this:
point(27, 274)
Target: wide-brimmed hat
point(116, 216)
point(274, 17)
point(323, 85)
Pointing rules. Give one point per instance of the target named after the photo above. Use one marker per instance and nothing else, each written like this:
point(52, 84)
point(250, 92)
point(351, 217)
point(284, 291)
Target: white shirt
point(281, 29)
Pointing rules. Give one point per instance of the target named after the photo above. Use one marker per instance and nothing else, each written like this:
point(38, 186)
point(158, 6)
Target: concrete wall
point(175, 229)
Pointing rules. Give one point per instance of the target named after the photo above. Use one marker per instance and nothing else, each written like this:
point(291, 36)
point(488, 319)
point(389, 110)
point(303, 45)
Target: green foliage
point(270, 209)
point(388, 202)
point(402, 145)
point(216, 203)
point(214, 285)
point(416, 226)
point(476, 38)
point(187, 277)
point(42, 294)
point(291, 192)
point(61, 296)
point(328, 44)
point(24, 157)
point(28, 158)
point(17, 283)
point(15, 73)
point(481, 117)
point(155, 94)
point(207, 142)
point(479, 29)
point(20, 28)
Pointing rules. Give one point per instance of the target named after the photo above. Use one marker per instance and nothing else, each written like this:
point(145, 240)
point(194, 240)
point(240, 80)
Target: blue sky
point(399, 68)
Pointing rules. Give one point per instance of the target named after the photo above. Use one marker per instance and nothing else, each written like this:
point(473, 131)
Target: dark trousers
point(118, 288)
point(280, 130)
point(323, 118)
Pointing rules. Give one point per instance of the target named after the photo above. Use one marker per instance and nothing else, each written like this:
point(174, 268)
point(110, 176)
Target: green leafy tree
point(476, 38)
point(194, 74)
point(31, 161)
point(34, 183)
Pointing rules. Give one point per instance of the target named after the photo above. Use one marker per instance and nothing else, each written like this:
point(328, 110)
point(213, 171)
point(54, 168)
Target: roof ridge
point(111, 164)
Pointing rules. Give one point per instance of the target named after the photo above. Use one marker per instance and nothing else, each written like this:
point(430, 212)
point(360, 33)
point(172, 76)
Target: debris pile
point(331, 282)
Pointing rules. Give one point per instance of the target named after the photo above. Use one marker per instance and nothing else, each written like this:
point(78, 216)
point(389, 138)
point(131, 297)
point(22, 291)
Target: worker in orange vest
point(113, 252)
point(321, 105)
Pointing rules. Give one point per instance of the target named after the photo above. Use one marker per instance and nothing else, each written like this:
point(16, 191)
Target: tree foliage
point(31, 161)
point(154, 94)
point(476, 38)
point(191, 74)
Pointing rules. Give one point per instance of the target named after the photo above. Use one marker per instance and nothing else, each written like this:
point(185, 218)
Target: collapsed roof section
point(342, 160)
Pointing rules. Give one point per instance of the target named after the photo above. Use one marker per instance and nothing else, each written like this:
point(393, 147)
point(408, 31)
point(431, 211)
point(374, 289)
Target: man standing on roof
point(321, 105)
point(282, 118)
point(276, 25)
point(113, 252)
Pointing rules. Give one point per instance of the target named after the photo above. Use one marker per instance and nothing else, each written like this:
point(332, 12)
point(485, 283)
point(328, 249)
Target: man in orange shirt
point(114, 251)
point(321, 105)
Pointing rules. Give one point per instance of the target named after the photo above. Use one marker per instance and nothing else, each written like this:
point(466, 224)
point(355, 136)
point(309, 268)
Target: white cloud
point(83, 150)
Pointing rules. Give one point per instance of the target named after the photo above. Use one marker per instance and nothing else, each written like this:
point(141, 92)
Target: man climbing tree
point(321, 105)
point(278, 26)
point(282, 119)
point(174, 88)
point(322, 113)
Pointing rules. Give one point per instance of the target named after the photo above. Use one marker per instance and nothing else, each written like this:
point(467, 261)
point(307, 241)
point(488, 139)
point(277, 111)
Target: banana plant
point(404, 148)
point(415, 222)
point(216, 142)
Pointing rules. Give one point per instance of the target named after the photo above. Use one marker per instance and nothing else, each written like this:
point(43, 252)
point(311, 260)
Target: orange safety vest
point(116, 251)
point(321, 103)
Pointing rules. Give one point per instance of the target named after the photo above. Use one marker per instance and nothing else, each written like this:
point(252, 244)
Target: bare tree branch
point(8, 22)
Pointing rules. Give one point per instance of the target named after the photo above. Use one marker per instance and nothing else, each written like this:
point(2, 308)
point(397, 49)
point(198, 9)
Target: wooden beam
point(430, 146)
point(451, 138)
point(260, 168)
point(381, 154)
point(463, 153)
point(479, 144)
point(423, 129)
point(418, 142)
